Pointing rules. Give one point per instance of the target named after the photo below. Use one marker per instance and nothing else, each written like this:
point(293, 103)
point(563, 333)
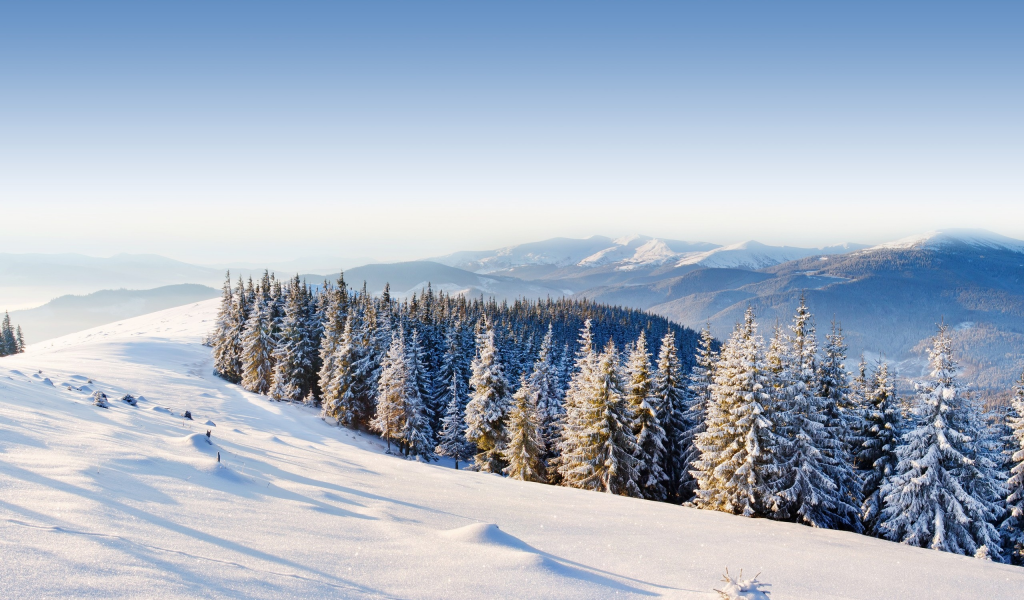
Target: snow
point(945, 237)
point(130, 501)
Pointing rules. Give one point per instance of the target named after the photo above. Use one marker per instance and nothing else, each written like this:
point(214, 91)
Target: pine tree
point(880, 436)
point(698, 397)
point(341, 390)
point(392, 387)
point(809, 488)
point(21, 340)
point(670, 398)
point(650, 436)
point(293, 371)
point(416, 433)
point(524, 451)
point(842, 409)
point(336, 314)
point(7, 342)
point(488, 405)
point(942, 495)
point(599, 449)
point(258, 349)
point(544, 380)
point(453, 443)
point(1013, 526)
point(739, 449)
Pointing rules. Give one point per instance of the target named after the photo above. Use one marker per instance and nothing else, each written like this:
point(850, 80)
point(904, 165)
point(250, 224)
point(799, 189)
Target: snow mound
point(162, 409)
point(197, 441)
point(210, 423)
point(742, 589)
point(485, 533)
point(47, 381)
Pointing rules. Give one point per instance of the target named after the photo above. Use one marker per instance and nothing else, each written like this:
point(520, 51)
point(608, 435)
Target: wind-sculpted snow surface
point(131, 501)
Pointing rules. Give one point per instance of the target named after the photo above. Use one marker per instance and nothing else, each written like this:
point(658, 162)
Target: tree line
point(570, 393)
point(11, 340)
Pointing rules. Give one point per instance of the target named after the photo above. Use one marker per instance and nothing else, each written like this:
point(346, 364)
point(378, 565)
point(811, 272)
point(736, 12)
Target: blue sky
point(264, 131)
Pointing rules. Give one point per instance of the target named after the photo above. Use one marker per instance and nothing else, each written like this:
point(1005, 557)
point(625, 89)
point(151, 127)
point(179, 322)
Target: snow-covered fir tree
point(392, 387)
point(452, 440)
point(739, 449)
point(698, 397)
point(293, 372)
point(544, 381)
point(808, 488)
point(1013, 526)
point(598, 446)
point(417, 433)
point(524, 451)
point(842, 409)
point(944, 492)
point(345, 388)
point(227, 341)
point(258, 349)
point(669, 392)
point(650, 436)
point(488, 405)
point(335, 314)
point(880, 432)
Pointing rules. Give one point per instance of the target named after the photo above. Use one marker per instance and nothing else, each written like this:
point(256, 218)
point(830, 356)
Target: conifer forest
point(769, 423)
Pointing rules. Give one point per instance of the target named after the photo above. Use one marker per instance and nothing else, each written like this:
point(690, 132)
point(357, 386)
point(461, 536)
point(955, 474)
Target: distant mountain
point(537, 260)
point(755, 255)
point(407, 278)
point(888, 298)
point(28, 280)
point(69, 314)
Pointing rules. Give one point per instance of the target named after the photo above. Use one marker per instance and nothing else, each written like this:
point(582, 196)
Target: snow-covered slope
point(131, 502)
point(591, 252)
point(755, 255)
point(951, 237)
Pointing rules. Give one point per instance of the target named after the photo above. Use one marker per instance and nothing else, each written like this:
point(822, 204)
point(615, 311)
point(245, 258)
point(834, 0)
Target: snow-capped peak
point(947, 237)
point(627, 240)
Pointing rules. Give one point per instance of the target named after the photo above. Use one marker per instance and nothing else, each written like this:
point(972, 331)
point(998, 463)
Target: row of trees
point(777, 430)
point(788, 434)
point(11, 340)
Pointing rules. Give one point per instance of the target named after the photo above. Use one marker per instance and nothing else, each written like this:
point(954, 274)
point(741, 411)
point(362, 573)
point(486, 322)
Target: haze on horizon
point(254, 132)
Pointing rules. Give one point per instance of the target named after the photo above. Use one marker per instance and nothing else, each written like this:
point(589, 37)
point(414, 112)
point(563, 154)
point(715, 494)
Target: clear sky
point(211, 131)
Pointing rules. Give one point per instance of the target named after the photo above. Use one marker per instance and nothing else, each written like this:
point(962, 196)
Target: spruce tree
point(698, 398)
point(258, 349)
point(345, 384)
point(809, 489)
point(669, 392)
point(294, 372)
point(739, 449)
point(544, 380)
point(880, 436)
point(222, 347)
point(650, 436)
point(452, 442)
point(8, 345)
point(842, 408)
point(524, 451)
point(20, 340)
point(393, 385)
point(488, 405)
point(1013, 526)
point(416, 433)
point(336, 315)
point(599, 449)
point(942, 495)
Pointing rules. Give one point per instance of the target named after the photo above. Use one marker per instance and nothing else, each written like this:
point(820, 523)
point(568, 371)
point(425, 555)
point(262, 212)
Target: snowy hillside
point(131, 501)
point(945, 238)
point(755, 255)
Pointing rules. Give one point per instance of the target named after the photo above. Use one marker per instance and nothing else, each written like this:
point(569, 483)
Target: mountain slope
point(131, 501)
point(889, 299)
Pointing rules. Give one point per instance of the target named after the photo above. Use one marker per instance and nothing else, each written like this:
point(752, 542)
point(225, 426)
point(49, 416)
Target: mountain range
point(888, 298)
